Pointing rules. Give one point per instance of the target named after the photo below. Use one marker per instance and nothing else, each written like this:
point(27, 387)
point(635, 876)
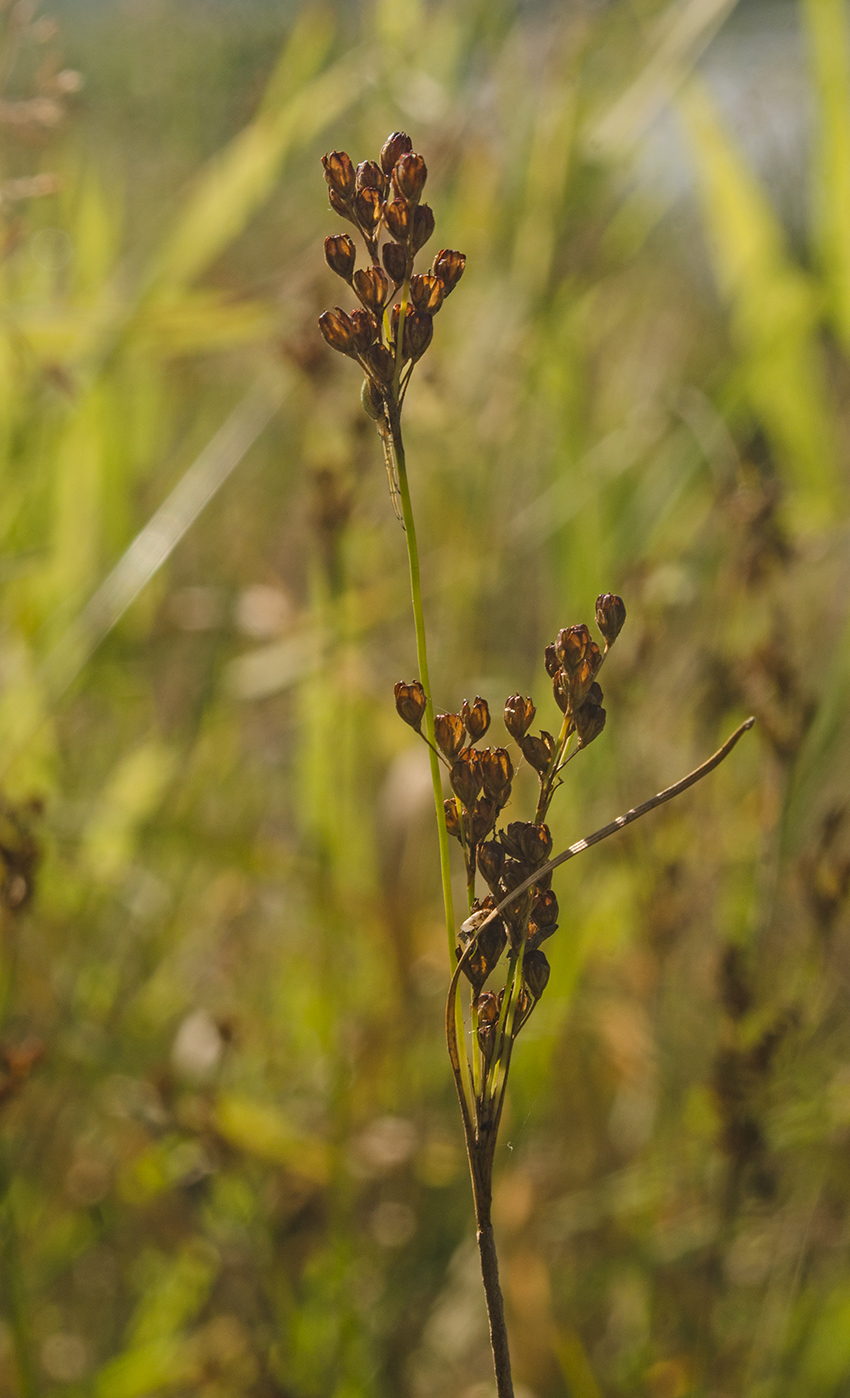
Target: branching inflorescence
point(387, 338)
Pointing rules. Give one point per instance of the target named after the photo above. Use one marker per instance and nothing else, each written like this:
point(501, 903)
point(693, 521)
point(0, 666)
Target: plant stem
point(493, 1295)
point(422, 658)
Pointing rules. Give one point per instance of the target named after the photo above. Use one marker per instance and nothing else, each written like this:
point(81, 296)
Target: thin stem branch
point(622, 821)
point(422, 658)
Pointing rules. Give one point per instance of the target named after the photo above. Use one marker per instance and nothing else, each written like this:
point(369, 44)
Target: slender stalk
point(422, 659)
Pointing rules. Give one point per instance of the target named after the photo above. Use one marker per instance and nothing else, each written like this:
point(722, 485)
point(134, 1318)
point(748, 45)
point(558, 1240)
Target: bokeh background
point(231, 1157)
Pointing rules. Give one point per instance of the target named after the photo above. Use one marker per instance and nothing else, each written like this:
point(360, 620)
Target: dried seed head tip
point(448, 265)
point(476, 717)
point(396, 145)
point(409, 176)
point(410, 702)
point(610, 615)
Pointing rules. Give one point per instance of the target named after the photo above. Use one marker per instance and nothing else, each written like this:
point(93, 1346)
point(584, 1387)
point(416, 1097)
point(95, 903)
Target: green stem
point(422, 658)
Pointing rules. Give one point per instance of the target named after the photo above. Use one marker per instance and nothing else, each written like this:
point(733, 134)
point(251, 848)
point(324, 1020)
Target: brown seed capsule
point(580, 682)
point(594, 694)
point(452, 817)
point(487, 1034)
point(545, 909)
point(371, 286)
point(483, 819)
point(365, 330)
point(380, 362)
point(409, 175)
point(410, 702)
point(497, 772)
point(426, 293)
point(369, 175)
point(537, 752)
point(395, 261)
point(488, 1008)
point(341, 206)
point(551, 661)
point(476, 717)
point(594, 656)
point(535, 973)
point(536, 843)
point(339, 173)
point(561, 690)
point(338, 330)
point(418, 334)
point(450, 734)
point(423, 226)
point(394, 146)
point(341, 255)
point(465, 777)
point(514, 872)
point(491, 857)
point(610, 615)
point(519, 716)
point(398, 216)
point(571, 646)
point(491, 940)
point(367, 207)
point(589, 721)
point(448, 265)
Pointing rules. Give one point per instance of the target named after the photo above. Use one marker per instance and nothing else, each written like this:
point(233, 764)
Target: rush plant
point(496, 949)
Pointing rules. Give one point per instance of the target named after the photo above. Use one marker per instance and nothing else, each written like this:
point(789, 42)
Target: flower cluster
point(481, 778)
point(387, 338)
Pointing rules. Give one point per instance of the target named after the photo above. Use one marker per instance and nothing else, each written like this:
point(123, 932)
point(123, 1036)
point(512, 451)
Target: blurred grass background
point(231, 1157)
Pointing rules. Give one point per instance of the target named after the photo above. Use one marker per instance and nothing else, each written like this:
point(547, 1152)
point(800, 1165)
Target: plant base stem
point(495, 1310)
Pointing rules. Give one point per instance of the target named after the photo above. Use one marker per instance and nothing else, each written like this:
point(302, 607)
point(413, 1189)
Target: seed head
point(589, 722)
point(571, 646)
point(380, 363)
point(452, 817)
point(610, 615)
point(341, 205)
point(367, 207)
point(491, 857)
point(340, 255)
point(409, 176)
point(483, 818)
point(371, 286)
point(339, 173)
point(551, 661)
point(535, 973)
point(395, 261)
point(427, 293)
point(410, 702)
point(338, 330)
point(365, 330)
point(423, 226)
point(418, 334)
point(394, 146)
point(448, 265)
point(476, 717)
point(450, 734)
point(536, 843)
point(538, 752)
point(369, 175)
point(519, 716)
point(497, 773)
point(465, 777)
point(398, 216)
point(488, 1008)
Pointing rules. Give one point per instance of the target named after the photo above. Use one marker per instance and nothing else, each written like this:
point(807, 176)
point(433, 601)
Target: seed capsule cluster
point(508, 856)
point(384, 197)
